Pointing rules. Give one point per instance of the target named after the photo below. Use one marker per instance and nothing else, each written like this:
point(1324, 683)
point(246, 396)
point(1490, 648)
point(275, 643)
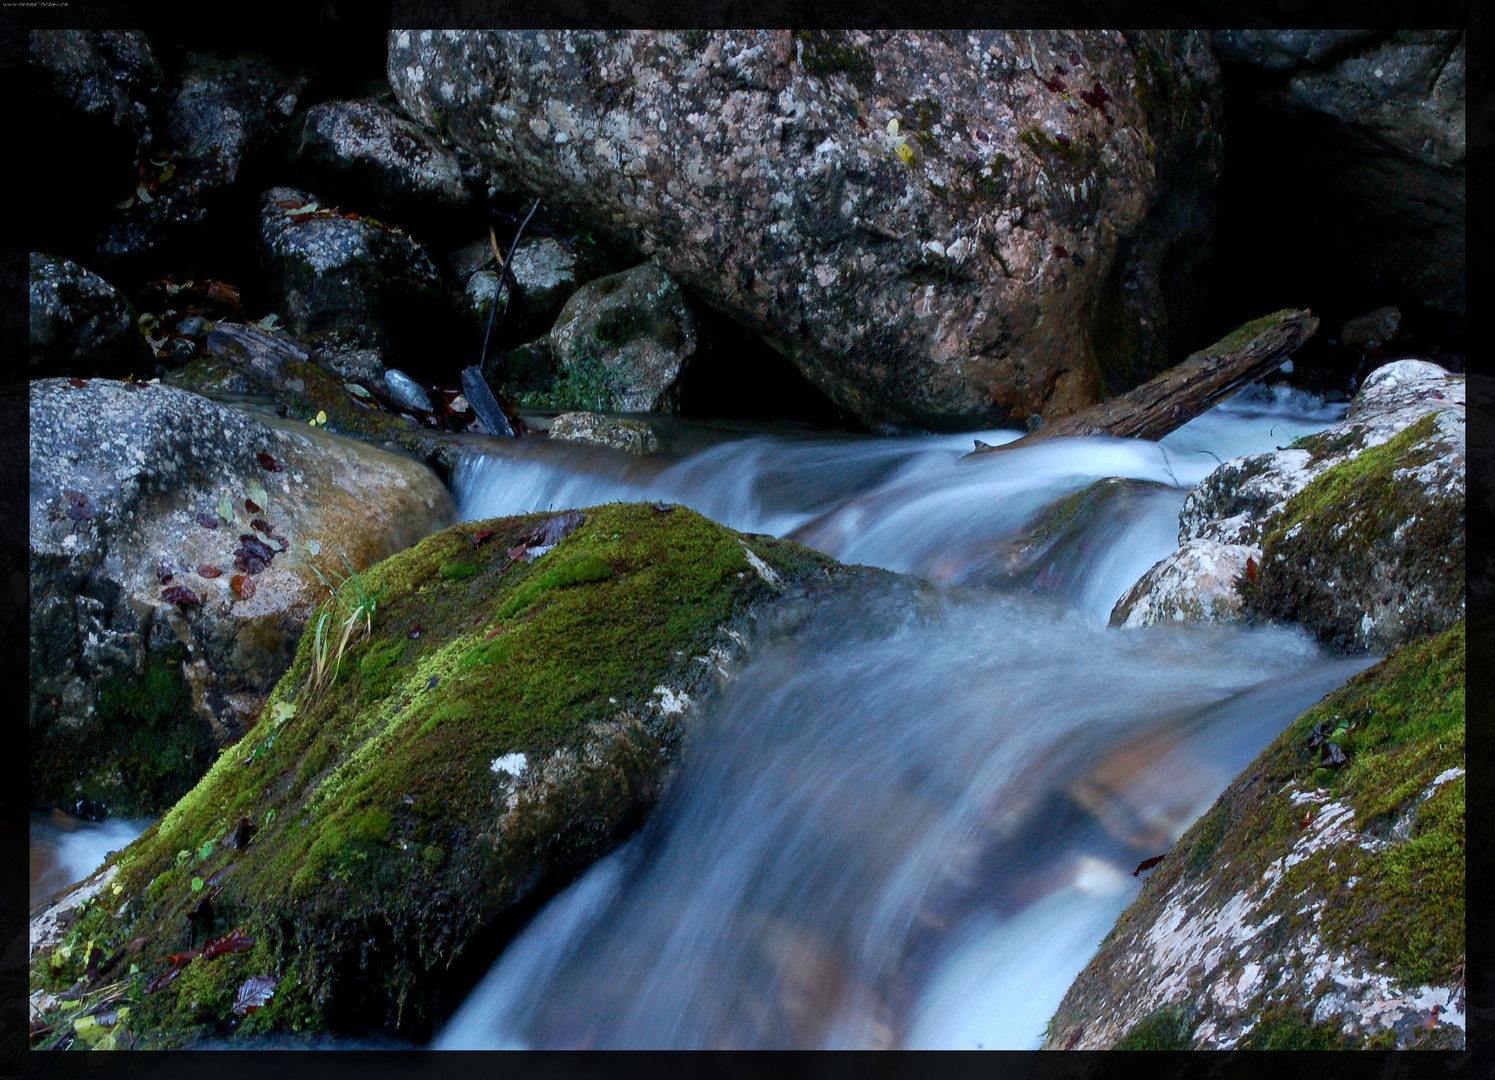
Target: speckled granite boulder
point(362, 294)
point(163, 607)
point(1357, 533)
point(951, 229)
point(1319, 904)
point(366, 155)
point(80, 324)
point(616, 432)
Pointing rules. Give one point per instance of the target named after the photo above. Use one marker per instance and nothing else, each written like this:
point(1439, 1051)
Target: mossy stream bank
point(514, 713)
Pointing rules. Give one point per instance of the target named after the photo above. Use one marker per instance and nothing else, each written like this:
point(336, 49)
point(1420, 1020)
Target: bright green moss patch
point(383, 835)
point(1364, 538)
point(1287, 1028)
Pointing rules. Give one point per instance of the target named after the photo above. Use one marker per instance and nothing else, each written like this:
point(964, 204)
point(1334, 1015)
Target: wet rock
point(218, 113)
point(1311, 907)
point(619, 433)
point(525, 370)
point(263, 353)
point(907, 216)
point(89, 93)
point(406, 391)
point(1371, 330)
point(1383, 114)
point(358, 292)
point(478, 297)
point(134, 491)
point(365, 155)
point(1197, 583)
point(545, 276)
point(1358, 531)
point(80, 324)
point(620, 345)
point(441, 778)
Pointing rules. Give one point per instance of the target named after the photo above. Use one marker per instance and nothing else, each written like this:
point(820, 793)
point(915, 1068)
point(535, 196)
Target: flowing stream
point(911, 822)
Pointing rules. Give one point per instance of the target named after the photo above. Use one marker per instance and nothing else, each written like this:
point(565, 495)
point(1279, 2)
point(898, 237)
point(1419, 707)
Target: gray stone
point(955, 269)
point(615, 432)
point(1366, 552)
point(1390, 147)
point(123, 478)
point(406, 390)
point(80, 324)
point(217, 114)
point(358, 292)
point(620, 345)
point(545, 274)
point(364, 154)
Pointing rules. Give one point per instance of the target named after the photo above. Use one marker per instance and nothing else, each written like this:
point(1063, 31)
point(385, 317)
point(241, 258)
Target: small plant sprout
point(350, 619)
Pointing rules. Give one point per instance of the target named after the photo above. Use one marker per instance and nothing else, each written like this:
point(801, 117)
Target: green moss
point(583, 383)
point(145, 748)
point(1079, 156)
point(1325, 554)
point(456, 571)
point(376, 856)
point(1288, 1028)
point(1329, 443)
point(1168, 1028)
point(828, 52)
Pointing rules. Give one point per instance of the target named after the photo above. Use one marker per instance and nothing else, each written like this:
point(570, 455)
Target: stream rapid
point(911, 822)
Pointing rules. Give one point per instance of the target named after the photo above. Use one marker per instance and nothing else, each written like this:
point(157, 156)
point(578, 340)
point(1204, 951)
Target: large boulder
point(177, 549)
point(365, 155)
point(361, 293)
point(1357, 533)
point(1380, 118)
point(217, 114)
point(514, 711)
point(948, 229)
point(1319, 904)
point(80, 324)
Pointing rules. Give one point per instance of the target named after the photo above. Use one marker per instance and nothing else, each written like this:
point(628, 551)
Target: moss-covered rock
point(1357, 532)
point(1320, 901)
point(514, 713)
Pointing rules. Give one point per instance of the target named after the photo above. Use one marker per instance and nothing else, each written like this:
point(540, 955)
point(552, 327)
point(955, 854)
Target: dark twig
point(505, 274)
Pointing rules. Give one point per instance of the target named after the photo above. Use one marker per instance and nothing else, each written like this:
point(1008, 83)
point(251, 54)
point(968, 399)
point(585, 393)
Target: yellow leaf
point(906, 153)
point(321, 417)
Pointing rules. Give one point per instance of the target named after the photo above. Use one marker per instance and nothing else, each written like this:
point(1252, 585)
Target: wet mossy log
point(1187, 389)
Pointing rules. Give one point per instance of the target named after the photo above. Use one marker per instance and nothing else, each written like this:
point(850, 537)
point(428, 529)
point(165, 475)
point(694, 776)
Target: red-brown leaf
point(481, 535)
point(263, 526)
point(238, 839)
point(180, 595)
point(1147, 864)
point(254, 994)
point(243, 586)
point(79, 383)
point(163, 980)
point(235, 941)
point(164, 574)
point(252, 506)
point(208, 571)
point(1252, 570)
point(253, 554)
point(268, 463)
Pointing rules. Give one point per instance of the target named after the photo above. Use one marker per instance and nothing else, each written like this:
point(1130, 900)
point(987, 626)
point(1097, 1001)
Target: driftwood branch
point(1187, 389)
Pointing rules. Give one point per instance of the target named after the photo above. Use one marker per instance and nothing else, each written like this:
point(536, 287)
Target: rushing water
point(65, 849)
point(911, 822)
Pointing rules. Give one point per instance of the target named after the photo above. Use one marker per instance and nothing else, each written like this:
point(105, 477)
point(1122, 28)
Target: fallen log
point(1187, 389)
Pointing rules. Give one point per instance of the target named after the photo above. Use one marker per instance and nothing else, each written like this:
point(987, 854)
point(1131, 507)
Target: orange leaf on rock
point(243, 586)
point(208, 571)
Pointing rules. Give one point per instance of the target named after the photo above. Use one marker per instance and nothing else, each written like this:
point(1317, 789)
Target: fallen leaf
point(283, 711)
point(225, 510)
point(260, 525)
point(160, 982)
point(235, 941)
point(164, 573)
point(268, 463)
point(1252, 570)
point(254, 994)
point(481, 535)
point(253, 554)
point(252, 506)
point(239, 836)
point(256, 491)
point(207, 519)
point(197, 884)
point(1147, 864)
point(79, 383)
point(242, 585)
point(313, 546)
point(207, 571)
point(180, 595)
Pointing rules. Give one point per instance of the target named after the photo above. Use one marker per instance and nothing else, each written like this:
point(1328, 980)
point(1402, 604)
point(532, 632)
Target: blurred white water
point(911, 823)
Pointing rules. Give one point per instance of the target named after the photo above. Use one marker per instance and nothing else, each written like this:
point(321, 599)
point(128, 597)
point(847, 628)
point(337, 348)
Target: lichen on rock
point(514, 712)
point(1315, 905)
